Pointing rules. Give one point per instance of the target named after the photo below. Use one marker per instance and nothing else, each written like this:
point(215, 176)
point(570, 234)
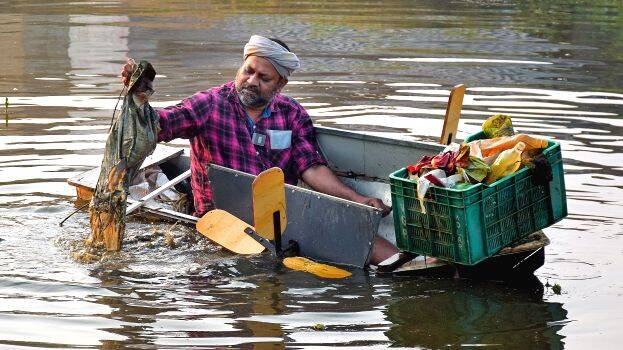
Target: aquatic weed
point(556, 288)
point(318, 327)
point(6, 111)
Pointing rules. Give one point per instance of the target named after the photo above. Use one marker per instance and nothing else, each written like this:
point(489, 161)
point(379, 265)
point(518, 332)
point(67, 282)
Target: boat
point(327, 228)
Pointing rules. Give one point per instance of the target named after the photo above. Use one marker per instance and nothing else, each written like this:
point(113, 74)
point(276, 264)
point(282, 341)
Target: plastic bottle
point(489, 147)
point(506, 163)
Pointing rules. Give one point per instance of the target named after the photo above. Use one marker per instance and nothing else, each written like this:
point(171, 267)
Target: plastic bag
point(490, 147)
point(498, 125)
point(476, 170)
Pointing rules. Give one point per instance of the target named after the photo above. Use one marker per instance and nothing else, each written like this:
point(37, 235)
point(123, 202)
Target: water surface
point(385, 67)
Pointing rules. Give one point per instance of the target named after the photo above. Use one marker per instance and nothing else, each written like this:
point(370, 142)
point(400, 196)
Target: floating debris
point(86, 256)
point(557, 289)
point(168, 240)
point(6, 111)
point(318, 327)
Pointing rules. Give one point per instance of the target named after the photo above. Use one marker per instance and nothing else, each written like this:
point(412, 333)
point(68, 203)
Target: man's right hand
point(126, 71)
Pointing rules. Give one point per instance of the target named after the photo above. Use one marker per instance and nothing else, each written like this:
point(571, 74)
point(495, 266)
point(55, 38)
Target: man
point(248, 125)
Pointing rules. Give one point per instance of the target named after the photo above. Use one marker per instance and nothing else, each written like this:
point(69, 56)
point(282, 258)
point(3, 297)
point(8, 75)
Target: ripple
point(460, 60)
point(185, 341)
point(308, 319)
point(64, 331)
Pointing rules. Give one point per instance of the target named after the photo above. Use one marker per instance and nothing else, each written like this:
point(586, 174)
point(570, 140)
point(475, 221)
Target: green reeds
point(6, 111)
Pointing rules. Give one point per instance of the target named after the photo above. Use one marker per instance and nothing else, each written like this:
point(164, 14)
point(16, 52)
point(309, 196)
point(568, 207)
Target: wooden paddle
point(269, 217)
point(269, 211)
point(228, 231)
point(269, 204)
point(453, 112)
point(300, 263)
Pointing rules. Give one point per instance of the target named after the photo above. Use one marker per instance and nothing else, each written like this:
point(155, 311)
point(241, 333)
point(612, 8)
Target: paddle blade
point(321, 270)
point(228, 231)
point(453, 113)
point(269, 196)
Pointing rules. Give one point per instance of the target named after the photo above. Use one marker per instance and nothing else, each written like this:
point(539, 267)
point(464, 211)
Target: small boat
point(328, 228)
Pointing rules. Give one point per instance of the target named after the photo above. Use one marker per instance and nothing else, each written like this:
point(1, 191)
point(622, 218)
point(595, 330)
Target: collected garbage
point(131, 139)
point(460, 166)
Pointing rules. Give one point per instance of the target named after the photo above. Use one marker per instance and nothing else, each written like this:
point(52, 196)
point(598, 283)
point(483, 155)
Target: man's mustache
point(253, 89)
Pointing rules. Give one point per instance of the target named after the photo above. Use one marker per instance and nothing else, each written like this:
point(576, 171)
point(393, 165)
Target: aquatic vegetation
point(169, 241)
point(318, 327)
point(557, 289)
point(6, 111)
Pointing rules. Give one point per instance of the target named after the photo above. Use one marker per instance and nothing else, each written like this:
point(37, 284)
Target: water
point(385, 67)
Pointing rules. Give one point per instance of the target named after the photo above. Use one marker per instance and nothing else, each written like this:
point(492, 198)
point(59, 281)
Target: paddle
point(321, 270)
point(453, 112)
point(269, 207)
point(228, 231)
point(236, 235)
point(269, 217)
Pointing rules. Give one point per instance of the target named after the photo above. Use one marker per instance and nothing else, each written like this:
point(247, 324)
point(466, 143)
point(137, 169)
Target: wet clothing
point(219, 131)
point(132, 137)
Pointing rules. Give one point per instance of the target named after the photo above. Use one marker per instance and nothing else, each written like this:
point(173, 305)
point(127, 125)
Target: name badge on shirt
point(280, 139)
point(258, 139)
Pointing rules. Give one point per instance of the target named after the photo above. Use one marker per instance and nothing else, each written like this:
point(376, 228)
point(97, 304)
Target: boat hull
point(363, 162)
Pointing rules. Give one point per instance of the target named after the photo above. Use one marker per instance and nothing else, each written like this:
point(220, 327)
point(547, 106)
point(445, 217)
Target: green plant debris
point(556, 288)
point(318, 327)
point(168, 240)
point(6, 111)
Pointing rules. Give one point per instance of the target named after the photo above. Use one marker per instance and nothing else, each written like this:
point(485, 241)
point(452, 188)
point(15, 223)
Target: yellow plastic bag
point(498, 125)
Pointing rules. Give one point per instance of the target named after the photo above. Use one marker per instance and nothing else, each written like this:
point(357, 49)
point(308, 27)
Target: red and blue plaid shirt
point(220, 132)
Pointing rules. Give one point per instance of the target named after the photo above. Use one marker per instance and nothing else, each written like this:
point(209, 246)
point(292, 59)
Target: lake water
point(555, 66)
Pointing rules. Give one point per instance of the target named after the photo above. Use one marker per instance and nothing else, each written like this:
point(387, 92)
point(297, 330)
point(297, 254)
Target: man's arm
point(178, 121)
point(322, 179)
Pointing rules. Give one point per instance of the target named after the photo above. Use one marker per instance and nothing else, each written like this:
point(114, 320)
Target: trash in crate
point(471, 200)
point(485, 160)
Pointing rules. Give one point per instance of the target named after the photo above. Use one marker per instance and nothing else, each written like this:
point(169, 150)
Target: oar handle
point(261, 240)
point(277, 231)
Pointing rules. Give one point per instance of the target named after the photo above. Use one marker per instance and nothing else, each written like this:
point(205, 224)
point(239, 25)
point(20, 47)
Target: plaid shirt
point(220, 132)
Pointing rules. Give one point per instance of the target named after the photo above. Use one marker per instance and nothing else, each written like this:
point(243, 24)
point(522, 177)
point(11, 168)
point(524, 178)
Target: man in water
point(248, 125)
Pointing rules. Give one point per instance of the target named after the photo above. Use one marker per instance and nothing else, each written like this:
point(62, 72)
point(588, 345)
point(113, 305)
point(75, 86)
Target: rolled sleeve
point(185, 119)
point(305, 150)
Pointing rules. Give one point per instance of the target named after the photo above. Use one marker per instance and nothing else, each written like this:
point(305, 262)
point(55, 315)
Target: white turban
point(284, 61)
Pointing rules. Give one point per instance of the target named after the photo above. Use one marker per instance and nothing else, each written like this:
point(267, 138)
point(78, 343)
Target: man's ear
point(282, 82)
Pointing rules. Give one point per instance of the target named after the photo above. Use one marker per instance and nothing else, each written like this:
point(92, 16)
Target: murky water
point(555, 66)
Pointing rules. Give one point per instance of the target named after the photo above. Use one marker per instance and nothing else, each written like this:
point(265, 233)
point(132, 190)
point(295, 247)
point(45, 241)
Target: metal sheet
point(380, 190)
point(161, 154)
point(370, 155)
point(371, 158)
point(327, 228)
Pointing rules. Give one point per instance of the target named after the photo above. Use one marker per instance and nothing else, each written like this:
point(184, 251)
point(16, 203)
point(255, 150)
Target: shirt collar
point(267, 110)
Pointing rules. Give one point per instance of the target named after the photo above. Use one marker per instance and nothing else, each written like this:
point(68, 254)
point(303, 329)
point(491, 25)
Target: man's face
point(257, 82)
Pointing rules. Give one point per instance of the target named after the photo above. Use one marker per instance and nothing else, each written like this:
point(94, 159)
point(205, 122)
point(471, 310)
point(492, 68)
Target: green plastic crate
point(467, 226)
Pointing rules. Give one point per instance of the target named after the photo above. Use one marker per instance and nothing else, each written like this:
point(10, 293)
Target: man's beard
point(251, 97)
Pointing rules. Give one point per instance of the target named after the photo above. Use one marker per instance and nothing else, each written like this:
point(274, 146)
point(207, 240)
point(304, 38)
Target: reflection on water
point(423, 319)
point(554, 66)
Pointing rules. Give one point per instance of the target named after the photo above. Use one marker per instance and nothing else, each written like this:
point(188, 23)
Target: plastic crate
point(467, 226)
